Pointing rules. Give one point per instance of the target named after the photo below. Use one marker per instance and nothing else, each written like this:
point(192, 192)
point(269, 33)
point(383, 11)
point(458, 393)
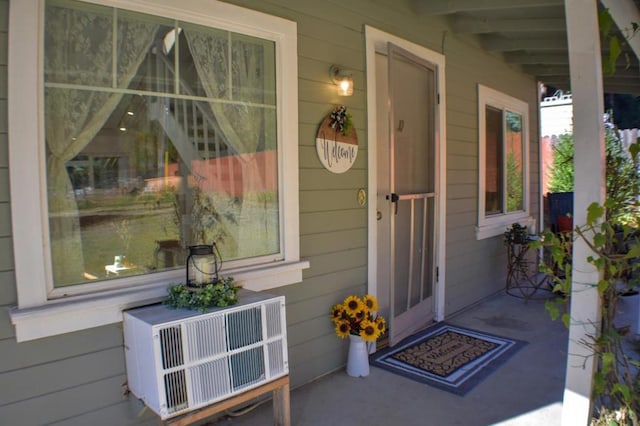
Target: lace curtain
point(245, 122)
point(79, 51)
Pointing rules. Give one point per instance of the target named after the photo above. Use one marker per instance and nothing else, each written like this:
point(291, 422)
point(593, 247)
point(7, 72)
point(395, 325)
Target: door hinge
point(437, 274)
point(438, 98)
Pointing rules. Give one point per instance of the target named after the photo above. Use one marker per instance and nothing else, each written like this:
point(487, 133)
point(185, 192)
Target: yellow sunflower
point(369, 331)
point(381, 324)
point(342, 328)
point(352, 305)
point(371, 302)
point(336, 312)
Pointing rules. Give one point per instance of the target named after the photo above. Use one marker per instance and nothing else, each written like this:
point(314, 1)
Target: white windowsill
point(81, 312)
point(499, 227)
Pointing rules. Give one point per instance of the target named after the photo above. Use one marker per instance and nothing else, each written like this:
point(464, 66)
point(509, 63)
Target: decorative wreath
point(341, 120)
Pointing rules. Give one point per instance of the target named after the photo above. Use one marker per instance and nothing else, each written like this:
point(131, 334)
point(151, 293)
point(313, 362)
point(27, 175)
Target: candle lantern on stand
point(203, 263)
point(204, 289)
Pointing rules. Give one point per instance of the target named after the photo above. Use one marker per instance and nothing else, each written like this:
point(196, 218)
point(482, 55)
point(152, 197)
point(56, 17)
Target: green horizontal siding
point(77, 378)
point(64, 374)
point(339, 220)
point(87, 401)
point(39, 352)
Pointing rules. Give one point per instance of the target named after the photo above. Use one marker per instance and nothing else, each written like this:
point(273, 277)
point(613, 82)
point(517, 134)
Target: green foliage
point(623, 180)
point(517, 234)
point(553, 307)
point(566, 319)
point(594, 212)
point(514, 122)
point(634, 149)
point(605, 22)
point(609, 66)
point(341, 120)
point(561, 178)
point(614, 251)
point(622, 176)
point(220, 294)
point(194, 215)
point(620, 417)
point(617, 385)
point(206, 222)
point(348, 124)
point(610, 38)
point(514, 184)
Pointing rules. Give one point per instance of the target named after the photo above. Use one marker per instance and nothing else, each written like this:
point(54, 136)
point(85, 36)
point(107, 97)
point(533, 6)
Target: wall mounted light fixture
point(343, 79)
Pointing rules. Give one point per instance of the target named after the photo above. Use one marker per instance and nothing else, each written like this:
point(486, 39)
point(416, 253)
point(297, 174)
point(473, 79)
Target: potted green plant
point(219, 294)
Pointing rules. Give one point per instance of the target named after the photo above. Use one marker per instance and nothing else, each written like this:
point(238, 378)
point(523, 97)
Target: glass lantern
point(202, 265)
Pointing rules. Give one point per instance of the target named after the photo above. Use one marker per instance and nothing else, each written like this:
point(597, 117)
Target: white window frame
point(37, 315)
point(490, 226)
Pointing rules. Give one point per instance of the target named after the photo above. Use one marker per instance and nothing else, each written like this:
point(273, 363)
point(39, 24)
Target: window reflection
point(504, 157)
point(514, 162)
point(493, 166)
point(176, 147)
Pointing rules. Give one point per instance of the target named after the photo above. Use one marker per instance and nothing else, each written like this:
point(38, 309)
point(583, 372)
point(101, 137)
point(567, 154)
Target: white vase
point(358, 359)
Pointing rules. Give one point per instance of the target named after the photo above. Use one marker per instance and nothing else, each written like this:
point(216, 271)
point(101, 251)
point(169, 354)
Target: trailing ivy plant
point(611, 40)
point(612, 235)
point(220, 294)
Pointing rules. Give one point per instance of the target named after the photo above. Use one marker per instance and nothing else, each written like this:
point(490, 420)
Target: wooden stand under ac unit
point(281, 417)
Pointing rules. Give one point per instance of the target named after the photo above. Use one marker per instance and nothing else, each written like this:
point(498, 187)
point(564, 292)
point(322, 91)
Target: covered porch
point(559, 43)
point(548, 381)
point(525, 390)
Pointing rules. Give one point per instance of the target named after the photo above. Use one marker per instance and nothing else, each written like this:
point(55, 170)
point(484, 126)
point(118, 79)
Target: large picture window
point(159, 134)
point(503, 182)
point(161, 129)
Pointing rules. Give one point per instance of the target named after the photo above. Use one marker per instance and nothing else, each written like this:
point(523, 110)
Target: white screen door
point(412, 108)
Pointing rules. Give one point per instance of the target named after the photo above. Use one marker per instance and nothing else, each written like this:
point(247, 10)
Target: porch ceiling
point(530, 34)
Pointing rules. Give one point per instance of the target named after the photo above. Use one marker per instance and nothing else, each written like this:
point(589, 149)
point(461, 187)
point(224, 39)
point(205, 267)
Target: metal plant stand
point(523, 278)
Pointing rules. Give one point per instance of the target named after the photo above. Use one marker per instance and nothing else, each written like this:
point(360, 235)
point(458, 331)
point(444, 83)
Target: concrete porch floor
point(526, 390)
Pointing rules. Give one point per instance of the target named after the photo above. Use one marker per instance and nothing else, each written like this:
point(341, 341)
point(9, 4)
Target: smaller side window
point(503, 151)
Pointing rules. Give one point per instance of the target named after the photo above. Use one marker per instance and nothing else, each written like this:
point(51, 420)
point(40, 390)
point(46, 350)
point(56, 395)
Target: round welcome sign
point(337, 142)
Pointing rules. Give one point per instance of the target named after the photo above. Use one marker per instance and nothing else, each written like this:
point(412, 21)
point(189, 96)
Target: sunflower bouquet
point(357, 316)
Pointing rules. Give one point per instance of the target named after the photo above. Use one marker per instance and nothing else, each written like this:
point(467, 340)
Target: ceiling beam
point(551, 70)
point(559, 58)
point(546, 70)
point(624, 89)
point(470, 25)
point(446, 7)
point(614, 82)
point(499, 43)
point(560, 82)
point(549, 58)
point(609, 85)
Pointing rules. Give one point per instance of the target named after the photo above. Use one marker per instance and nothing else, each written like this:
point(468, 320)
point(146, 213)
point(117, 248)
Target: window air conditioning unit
point(180, 360)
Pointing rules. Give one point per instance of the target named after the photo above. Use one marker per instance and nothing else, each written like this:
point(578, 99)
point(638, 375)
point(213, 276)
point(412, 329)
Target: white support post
point(589, 160)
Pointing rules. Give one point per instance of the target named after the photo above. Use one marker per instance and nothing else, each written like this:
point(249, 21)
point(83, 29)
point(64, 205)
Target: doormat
point(448, 357)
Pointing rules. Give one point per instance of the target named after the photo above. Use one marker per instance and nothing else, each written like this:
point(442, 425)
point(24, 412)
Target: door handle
point(394, 199)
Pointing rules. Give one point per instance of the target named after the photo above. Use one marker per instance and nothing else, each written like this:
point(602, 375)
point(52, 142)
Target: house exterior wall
point(476, 268)
point(78, 378)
